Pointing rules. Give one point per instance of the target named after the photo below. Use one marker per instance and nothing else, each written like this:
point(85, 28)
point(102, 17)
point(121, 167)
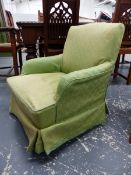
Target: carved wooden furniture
point(59, 15)
point(40, 40)
point(30, 32)
point(9, 18)
point(122, 14)
point(13, 46)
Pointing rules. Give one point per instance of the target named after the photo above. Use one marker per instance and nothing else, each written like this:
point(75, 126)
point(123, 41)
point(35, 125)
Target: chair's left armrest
point(8, 29)
point(12, 31)
point(43, 65)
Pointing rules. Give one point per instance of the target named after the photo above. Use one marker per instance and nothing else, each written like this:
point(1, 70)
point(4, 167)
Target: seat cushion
point(6, 47)
point(35, 94)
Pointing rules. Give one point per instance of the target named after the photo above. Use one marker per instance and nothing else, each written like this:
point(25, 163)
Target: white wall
point(25, 10)
point(23, 6)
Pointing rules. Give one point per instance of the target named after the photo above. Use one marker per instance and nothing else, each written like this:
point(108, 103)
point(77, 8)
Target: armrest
point(95, 76)
point(14, 34)
point(8, 29)
point(43, 65)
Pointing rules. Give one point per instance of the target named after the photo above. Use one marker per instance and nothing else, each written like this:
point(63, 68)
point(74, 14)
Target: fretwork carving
point(125, 18)
point(60, 13)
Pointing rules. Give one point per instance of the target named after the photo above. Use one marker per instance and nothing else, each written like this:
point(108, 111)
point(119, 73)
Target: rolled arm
point(94, 75)
point(43, 65)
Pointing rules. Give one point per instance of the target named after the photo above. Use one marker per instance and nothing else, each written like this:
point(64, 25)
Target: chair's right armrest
point(82, 90)
point(96, 76)
point(43, 65)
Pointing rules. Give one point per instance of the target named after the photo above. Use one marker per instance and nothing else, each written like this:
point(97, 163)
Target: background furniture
point(130, 138)
point(31, 32)
point(122, 14)
point(59, 15)
point(40, 16)
point(40, 40)
point(61, 100)
point(13, 43)
point(9, 18)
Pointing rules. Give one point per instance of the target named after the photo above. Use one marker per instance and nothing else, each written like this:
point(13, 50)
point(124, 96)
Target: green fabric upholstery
point(42, 65)
point(93, 45)
point(38, 99)
point(59, 97)
point(74, 86)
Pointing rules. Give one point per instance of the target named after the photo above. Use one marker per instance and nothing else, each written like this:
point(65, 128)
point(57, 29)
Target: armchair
point(13, 44)
point(59, 97)
point(122, 15)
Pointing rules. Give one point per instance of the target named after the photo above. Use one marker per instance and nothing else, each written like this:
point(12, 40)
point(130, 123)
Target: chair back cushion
point(90, 45)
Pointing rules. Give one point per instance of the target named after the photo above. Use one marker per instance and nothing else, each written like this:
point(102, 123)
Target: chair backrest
point(9, 19)
point(122, 14)
point(9, 23)
point(90, 45)
point(59, 15)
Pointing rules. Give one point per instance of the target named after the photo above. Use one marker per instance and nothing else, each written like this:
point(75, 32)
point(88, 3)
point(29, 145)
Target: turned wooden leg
point(31, 51)
point(116, 67)
point(129, 75)
point(15, 62)
point(14, 53)
point(123, 58)
point(41, 47)
point(20, 59)
point(130, 138)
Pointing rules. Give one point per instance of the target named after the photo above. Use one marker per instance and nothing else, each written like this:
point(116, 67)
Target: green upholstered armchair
point(59, 97)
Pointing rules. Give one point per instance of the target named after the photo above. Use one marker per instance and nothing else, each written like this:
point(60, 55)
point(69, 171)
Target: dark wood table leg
point(130, 138)
point(116, 66)
point(31, 32)
point(31, 51)
point(41, 47)
point(129, 75)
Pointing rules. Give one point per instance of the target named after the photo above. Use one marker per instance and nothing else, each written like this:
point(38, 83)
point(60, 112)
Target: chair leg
point(116, 67)
point(123, 58)
point(41, 47)
point(20, 59)
point(130, 138)
point(15, 62)
point(129, 75)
